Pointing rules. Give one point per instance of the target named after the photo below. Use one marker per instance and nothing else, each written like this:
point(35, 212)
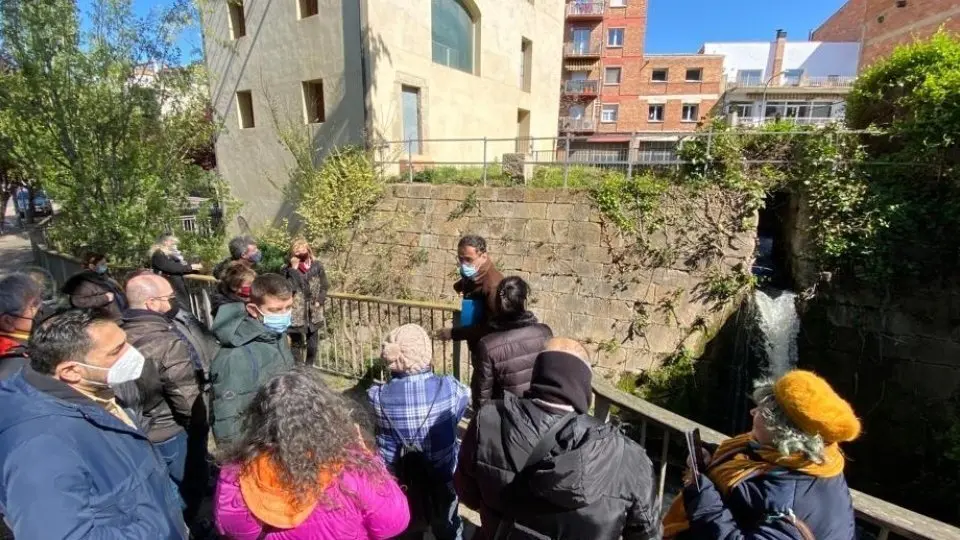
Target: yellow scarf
point(732, 464)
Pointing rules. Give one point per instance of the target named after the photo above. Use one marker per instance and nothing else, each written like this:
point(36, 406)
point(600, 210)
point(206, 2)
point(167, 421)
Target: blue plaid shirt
point(406, 400)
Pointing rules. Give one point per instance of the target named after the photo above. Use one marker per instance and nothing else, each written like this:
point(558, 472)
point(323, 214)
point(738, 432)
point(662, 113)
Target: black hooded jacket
point(596, 483)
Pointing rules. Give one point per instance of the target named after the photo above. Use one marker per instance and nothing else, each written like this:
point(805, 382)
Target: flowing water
point(779, 323)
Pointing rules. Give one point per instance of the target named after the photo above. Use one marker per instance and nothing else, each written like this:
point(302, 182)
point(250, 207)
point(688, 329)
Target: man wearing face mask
point(254, 348)
point(170, 387)
point(75, 466)
point(20, 300)
point(243, 250)
point(478, 283)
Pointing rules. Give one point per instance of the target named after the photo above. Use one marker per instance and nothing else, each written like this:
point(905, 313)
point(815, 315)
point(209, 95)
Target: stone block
point(418, 206)
point(531, 210)
point(597, 329)
point(509, 263)
point(612, 360)
point(420, 191)
point(572, 303)
point(571, 196)
point(538, 230)
point(493, 209)
point(560, 212)
point(401, 191)
point(510, 195)
point(597, 254)
point(429, 241)
point(663, 339)
point(584, 233)
point(585, 269)
point(486, 193)
point(559, 231)
point(564, 284)
point(386, 204)
point(448, 242)
point(455, 193)
point(539, 195)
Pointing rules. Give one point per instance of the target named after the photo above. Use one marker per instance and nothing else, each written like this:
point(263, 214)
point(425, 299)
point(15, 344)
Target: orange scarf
point(732, 464)
point(270, 501)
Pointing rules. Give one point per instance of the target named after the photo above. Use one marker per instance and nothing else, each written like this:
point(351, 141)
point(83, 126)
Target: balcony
point(581, 87)
point(830, 83)
point(581, 49)
point(582, 124)
point(582, 11)
point(756, 121)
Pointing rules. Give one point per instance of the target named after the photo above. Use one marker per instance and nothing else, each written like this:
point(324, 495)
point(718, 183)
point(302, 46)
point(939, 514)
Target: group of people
point(106, 409)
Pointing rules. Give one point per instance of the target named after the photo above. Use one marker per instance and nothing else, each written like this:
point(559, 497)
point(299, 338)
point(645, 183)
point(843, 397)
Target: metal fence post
point(630, 155)
point(709, 147)
point(410, 160)
point(566, 161)
point(484, 161)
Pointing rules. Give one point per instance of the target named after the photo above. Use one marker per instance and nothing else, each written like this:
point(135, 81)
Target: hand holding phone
point(696, 459)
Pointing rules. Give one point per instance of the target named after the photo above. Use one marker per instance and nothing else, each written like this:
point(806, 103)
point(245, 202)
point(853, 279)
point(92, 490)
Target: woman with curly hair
point(300, 469)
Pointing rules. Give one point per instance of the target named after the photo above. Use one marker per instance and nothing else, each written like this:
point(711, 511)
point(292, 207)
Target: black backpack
point(415, 473)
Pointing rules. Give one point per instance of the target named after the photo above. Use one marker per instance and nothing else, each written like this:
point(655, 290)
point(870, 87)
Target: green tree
point(100, 119)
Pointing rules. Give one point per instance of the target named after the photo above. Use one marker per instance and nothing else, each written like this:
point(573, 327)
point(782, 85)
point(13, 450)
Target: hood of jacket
point(235, 327)
point(577, 472)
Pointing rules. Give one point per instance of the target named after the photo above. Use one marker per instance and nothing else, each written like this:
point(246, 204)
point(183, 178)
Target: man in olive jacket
point(254, 348)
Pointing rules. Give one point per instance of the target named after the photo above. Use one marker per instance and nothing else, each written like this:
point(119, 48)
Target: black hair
point(273, 285)
point(475, 241)
point(61, 338)
point(512, 296)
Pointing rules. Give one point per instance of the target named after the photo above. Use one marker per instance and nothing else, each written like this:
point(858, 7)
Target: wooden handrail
point(888, 516)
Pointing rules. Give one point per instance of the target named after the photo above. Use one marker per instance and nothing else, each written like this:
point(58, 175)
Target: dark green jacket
point(250, 355)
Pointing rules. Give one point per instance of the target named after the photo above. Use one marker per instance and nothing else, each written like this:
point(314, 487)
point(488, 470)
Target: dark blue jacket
point(70, 470)
point(764, 507)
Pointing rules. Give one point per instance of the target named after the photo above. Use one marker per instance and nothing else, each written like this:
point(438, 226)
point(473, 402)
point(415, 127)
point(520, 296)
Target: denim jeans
point(446, 523)
point(174, 454)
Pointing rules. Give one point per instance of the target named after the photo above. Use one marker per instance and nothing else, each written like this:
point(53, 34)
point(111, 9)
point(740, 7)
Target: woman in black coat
point(503, 360)
point(310, 286)
point(166, 260)
point(93, 288)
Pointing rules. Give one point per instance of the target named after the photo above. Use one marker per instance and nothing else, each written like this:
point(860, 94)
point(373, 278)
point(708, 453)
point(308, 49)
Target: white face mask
point(127, 368)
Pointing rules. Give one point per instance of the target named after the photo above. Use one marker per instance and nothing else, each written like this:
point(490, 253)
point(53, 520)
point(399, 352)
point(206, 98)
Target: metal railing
point(794, 82)
point(575, 49)
point(808, 121)
point(354, 329)
point(585, 9)
point(581, 86)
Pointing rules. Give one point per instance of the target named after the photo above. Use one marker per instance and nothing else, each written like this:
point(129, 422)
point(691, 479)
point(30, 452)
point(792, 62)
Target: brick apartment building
point(881, 25)
point(615, 97)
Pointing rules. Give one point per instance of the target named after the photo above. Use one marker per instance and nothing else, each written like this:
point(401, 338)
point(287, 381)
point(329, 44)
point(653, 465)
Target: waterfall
point(780, 325)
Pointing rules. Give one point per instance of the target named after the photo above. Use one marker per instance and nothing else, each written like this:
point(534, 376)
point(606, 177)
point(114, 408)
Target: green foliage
point(722, 286)
point(672, 385)
point(274, 242)
point(628, 203)
point(464, 176)
point(578, 176)
point(469, 204)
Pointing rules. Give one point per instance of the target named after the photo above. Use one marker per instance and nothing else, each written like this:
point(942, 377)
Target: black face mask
point(174, 309)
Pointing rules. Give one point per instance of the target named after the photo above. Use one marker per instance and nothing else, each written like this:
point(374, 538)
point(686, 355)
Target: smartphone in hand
point(695, 449)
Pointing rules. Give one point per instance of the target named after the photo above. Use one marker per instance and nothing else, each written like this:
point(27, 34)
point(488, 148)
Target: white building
point(806, 81)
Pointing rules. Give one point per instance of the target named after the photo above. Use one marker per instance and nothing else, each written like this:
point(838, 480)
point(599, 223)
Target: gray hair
point(238, 246)
point(17, 292)
point(787, 438)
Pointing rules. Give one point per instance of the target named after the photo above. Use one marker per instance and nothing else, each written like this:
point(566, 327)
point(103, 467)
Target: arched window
point(454, 32)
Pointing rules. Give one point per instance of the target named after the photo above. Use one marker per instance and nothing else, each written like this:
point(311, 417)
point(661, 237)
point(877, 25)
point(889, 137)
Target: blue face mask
point(256, 257)
point(467, 271)
point(101, 269)
point(278, 322)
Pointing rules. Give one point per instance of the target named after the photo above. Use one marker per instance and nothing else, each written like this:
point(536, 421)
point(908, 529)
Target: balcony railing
point(806, 121)
point(581, 87)
point(570, 124)
point(581, 49)
point(585, 10)
point(794, 82)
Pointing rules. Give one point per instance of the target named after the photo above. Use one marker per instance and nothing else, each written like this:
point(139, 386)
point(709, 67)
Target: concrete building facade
point(806, 82)
point(402, 74)
point(881, 25)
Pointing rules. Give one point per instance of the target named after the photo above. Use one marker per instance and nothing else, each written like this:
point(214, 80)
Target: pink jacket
point(355, 508)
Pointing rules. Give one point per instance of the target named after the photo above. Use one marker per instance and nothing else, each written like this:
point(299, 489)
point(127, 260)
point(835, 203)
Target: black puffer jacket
point(596, 483)
point(503, 360)
point(169, 386)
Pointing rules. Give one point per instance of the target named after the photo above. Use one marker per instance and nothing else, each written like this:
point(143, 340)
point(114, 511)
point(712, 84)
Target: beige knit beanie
point(407, 349)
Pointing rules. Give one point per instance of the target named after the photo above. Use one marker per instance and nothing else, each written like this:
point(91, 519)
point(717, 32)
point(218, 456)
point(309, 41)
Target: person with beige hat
point(419, 410)
point(784, 479)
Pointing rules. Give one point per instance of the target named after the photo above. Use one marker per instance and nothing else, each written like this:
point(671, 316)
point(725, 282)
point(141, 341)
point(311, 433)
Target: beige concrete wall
point(586, 284)
point(278, 52)
point(456, 104)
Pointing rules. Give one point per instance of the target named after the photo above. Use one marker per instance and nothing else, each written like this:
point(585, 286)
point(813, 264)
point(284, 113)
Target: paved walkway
point(15, 250)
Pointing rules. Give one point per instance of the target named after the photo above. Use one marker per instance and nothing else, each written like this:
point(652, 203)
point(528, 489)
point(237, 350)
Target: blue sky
point(684, 25)
point(673, 25)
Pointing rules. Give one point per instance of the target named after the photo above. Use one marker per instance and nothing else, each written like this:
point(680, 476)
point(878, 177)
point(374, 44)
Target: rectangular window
point(655, 113)
point(410, 103)
point(791, 77)
point(821, 110)
point(691, 113)
point(694, 75)
point(523, 131)
point(743, 110)
point(615, 37)
point(526, 64)
point(309, 8)
point(238, 23)
point(245, 109)
point(750, 77)
point(314, 111)
point(618, 3)
point(659, 75)
point(611, 75)
point(609, 113)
